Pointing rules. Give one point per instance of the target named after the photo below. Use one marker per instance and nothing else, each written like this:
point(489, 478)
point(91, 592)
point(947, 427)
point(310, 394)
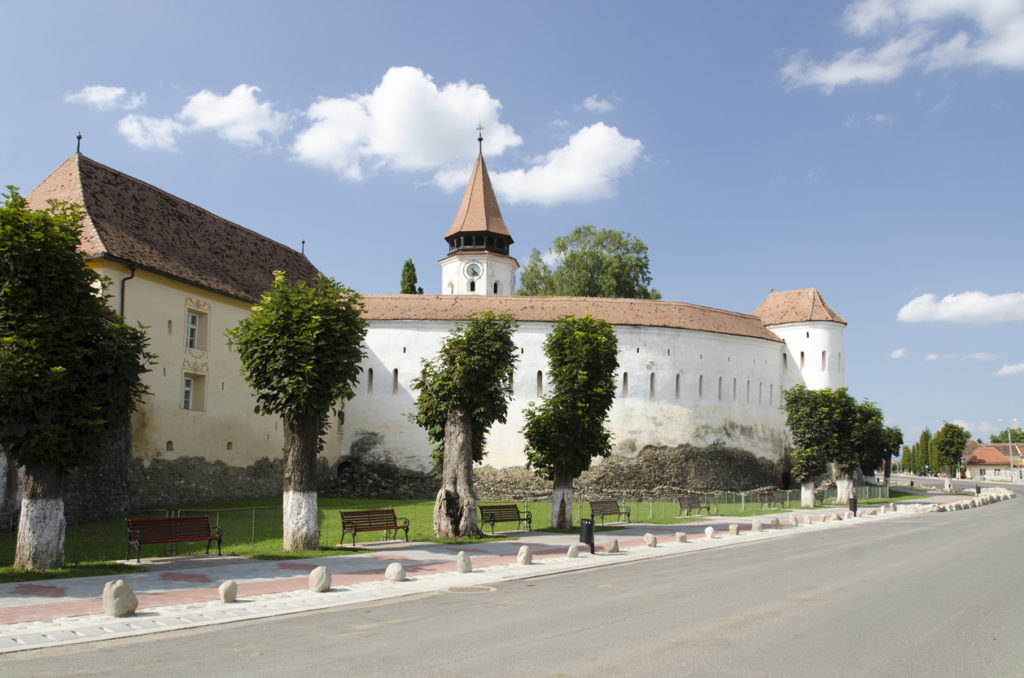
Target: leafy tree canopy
point(473, 370)
point(409, 279)
point(301, 347)
point(822, 425)
point(567, 430)
point(949, 443)
point(1004, 436)
point(590, 262)
point(70, 369)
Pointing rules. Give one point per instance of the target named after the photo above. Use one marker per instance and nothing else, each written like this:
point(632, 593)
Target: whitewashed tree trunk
point(844, 489)
point(300, 518)
point(455, 506)
point(948, 485)
point(807, 494)
point(40, 544)
point(561, 501)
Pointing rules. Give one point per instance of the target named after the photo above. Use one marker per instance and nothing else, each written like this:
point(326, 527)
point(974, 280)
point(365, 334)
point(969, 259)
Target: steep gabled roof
point(796, 306)
point(456, 307)
point(479, 210)
point(129, 220)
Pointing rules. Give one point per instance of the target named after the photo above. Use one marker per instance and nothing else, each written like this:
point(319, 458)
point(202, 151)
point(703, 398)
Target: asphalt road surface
point(923, 595)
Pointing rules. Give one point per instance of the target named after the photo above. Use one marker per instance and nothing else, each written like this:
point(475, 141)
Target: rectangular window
point(193, 392)
point(196, 329)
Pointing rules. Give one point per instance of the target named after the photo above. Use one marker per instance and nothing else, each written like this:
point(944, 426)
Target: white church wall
point(668, 392)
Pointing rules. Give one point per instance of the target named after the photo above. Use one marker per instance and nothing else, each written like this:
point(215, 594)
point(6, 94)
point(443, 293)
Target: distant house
point(991, 461)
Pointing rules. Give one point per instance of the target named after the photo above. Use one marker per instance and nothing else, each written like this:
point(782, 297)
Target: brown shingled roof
point(132, 221)
point(479, 210)
point(672, 314)
point(987, 455)
point(796, 306)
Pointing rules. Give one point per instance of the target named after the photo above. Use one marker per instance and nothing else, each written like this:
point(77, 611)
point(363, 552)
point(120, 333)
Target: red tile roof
point(131, 221)
point(796, 306)
point(479, 211)
point(546, 309)
point(987, 455)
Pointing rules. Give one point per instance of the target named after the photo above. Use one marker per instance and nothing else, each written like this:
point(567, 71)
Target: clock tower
point(478, 261)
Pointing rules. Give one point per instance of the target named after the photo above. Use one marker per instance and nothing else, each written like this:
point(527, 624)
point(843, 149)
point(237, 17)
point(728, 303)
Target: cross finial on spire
point(480, 137)
point(78, 149)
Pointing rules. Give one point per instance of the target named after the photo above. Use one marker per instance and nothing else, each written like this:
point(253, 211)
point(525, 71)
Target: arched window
point(540, 383)
point(495, 288)
point(785, 361)
point(801, 360)
point(394, 382)
point(625, 384)
point(369, 382)
point(472, 286)
point(824, 361)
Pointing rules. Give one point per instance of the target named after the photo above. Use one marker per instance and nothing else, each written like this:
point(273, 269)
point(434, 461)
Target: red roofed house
point(991, 461)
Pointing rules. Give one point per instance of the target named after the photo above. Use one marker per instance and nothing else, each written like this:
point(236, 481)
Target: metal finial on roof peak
point(78, 148)
point(480, 137)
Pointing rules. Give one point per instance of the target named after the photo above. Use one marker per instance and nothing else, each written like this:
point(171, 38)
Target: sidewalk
point(182, 592)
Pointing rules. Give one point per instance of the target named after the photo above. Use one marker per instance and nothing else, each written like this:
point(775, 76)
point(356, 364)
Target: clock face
point(473, 270)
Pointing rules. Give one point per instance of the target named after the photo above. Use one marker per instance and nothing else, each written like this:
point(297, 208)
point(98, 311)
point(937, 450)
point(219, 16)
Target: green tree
point(591, 262)
point(821, 423)
point(463, 391)
point(300, 351)
point(567, 430)
point(892, 440)
point(1004, 436)
point(868, 436)
point(949, 443)
point(70, 369)
point(409, 278)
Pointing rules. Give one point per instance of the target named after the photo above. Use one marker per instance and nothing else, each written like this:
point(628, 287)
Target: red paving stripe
point(40, 590)
point(180, 576)
point(50, 611)
point(307, 567)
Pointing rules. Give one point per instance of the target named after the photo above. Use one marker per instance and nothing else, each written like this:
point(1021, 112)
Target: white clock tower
point(478, 261)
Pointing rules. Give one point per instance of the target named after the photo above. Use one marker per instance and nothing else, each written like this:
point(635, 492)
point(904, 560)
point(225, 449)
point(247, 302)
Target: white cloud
point(1010, 370)
point(881, 119)
point(980, 356)
point(912, 34)
point(236, 117)
point(105, 98)
point(146, 132)
point(406, 123)
point(898, 353)
point(587, 168)
point(969, 307)
point(942, 104)
point(932, 357)
point(595, 105)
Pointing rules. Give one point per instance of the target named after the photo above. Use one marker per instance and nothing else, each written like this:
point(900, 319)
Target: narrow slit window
point(678, 380)
point(625, 384)
point(394, 382)
point(540, 383)
point(369, 382)
point(651, 394)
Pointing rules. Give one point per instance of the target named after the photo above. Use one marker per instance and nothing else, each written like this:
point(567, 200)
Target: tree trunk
point(561, 500)
point(40, 543)
point(888, 469)
point(455, 507)
point(299, 502)
point(807, 494)
point(844, 488)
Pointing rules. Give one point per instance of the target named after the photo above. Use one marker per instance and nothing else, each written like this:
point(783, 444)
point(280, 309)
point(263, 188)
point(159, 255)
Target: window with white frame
point(193, 392)
point(196, 329)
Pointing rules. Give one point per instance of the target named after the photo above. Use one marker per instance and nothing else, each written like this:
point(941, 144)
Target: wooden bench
point(505, 513)
point(692, 502)
point(769, 498)
point(607, 507)
point(168, 531)
point(371, 520)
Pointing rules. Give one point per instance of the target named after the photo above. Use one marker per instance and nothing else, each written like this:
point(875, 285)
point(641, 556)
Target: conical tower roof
point(479, 212)
point(796, 306)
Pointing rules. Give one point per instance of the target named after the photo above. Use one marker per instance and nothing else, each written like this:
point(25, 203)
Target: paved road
point(930, 594)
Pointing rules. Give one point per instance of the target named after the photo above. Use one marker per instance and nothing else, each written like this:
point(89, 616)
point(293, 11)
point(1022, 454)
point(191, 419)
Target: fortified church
point(687, 373)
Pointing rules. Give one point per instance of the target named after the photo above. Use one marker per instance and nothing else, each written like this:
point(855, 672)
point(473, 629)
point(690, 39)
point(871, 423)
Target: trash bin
point(853, 505)
point(977, 490)
point(587, 532)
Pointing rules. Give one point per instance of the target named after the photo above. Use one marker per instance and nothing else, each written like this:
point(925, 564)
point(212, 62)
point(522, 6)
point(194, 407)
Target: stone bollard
point(525, 556)
point(892, 506)
point(734, 529)
point(118, 599)
point(680, 537)
point(320, 579)
point(611, 546)
point(833, 516)
point(794, 521)
point(755, 525)
point(462, 563)
point(574, 551)
point(650, 540)
point(395, 572)
point(709, 532)
point(228, 591)
point(776, 523)
point(848, 515)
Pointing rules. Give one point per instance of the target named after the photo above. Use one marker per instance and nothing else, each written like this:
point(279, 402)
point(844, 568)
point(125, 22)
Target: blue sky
point(870, 149)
